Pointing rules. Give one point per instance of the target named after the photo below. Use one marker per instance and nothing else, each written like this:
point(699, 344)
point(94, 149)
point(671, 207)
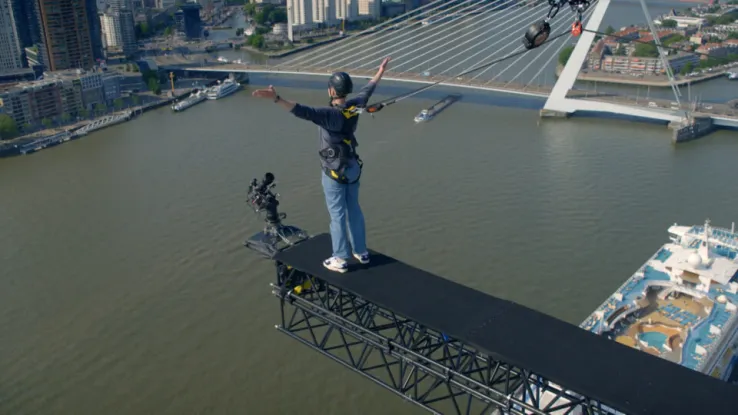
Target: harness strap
point(340, 177)
point(343, 154)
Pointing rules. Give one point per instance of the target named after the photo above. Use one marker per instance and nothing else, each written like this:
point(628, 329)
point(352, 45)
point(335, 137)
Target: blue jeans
point(343, 205)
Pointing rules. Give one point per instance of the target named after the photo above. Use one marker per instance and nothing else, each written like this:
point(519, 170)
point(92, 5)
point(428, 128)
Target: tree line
point(265, 14)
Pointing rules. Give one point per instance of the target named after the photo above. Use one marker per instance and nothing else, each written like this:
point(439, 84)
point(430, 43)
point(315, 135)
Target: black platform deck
point(615, 375)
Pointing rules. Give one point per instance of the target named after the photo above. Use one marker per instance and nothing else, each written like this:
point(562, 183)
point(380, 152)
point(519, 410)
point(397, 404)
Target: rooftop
point(69, 74)
point(681, 304)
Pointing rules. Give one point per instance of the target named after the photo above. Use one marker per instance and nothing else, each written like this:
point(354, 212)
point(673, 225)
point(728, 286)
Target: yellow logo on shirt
point(350, 112)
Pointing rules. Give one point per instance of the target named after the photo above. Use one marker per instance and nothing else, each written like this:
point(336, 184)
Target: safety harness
point(342, 147)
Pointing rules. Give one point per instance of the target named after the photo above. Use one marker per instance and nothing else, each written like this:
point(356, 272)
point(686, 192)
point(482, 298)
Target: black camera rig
point(275, 236)
point(538, 32)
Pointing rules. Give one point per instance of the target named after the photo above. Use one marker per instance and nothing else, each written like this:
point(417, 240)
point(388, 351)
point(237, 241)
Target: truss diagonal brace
point(422, 365)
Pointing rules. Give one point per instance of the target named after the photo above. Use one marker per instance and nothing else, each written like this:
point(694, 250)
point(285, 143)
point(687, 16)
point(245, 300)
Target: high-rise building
point(300, 12)
point(11, 52)
point(26, 22)
point(128, 32)
point(188, 21)
point(66, 39)
point(119, 26)
point(93, 21)
point(341, 9)
point(370, 8)
point(347, 9)
point(118, 31)
point(324, 11)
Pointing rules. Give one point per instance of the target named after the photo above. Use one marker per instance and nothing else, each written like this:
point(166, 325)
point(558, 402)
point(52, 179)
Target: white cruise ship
point(223, 89)
point(680, 306)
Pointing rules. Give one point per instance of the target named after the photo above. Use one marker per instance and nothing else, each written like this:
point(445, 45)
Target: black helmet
point(341, 82)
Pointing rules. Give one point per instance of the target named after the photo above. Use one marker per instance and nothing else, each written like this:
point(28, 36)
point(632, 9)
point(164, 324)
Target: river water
point(125, 289)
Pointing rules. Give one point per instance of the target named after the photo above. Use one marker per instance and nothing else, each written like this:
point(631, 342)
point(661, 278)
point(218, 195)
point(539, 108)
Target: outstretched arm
point(362, 98)
point(319, 116)
point(382, 67)
point(271, 93)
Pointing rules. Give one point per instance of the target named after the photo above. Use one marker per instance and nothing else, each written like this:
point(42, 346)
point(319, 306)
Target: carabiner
point(576, 28)
point(371, 109)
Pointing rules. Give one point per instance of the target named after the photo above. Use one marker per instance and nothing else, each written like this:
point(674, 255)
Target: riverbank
point(654, 81)
point(284, 53)
point(51, 137)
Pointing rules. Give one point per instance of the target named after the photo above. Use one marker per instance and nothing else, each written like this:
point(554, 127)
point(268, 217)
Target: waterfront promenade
point(81, 127)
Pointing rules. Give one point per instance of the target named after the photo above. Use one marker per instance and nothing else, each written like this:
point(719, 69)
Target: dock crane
point(171, 81)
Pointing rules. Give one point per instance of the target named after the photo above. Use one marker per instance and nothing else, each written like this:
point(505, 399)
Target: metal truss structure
point(419, 364)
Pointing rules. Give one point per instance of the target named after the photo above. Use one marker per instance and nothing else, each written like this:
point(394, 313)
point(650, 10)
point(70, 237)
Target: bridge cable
point(459, 21)
point(545, 65)
point(584, 17)
point(525, 15)
point(487, 29)
point(355, 41)
point(379, 105)
point(455, 20)
point(371, 31)
point(577, 18)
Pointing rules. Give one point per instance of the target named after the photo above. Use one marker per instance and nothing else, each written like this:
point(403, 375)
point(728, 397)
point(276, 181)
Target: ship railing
point(710, 348)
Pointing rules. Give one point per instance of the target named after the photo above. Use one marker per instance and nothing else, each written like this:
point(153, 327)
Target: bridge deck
point(663, 106)
point(618, 376)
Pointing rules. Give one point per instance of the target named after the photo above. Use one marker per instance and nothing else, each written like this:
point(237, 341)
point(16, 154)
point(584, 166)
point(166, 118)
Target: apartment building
point(31, 102)
point(641, 65)
point(89, 84)
point(118, 29)
point(66, 34)
point(300, 13)
point(64, 92)
point(370, 8)
point(719, 50)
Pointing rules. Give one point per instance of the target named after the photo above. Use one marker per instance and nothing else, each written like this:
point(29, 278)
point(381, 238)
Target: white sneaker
point(363, 258)
point(336, 264)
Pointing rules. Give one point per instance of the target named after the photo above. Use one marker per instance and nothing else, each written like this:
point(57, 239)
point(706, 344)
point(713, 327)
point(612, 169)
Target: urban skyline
point(305, 13)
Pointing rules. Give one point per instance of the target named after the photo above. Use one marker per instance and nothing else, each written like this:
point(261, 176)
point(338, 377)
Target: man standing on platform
point(341, 165)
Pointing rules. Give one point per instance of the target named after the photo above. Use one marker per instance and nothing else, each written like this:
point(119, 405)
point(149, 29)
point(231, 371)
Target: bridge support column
point(557, 102)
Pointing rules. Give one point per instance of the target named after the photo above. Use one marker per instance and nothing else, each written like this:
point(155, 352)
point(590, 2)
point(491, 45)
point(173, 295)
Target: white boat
point(430, 112)
point(424, 115)
point(194, 98)
point(733, 76)
point(680, 306)
point(223, 89)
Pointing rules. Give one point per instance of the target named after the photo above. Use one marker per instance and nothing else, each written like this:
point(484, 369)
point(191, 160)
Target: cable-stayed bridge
point(443, 38)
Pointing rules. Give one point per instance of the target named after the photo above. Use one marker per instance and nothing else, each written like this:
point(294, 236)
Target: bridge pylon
point(558, 105)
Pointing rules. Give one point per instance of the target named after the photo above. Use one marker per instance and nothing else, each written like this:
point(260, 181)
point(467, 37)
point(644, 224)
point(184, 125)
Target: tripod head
point(275, 235)
point(261, 199)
